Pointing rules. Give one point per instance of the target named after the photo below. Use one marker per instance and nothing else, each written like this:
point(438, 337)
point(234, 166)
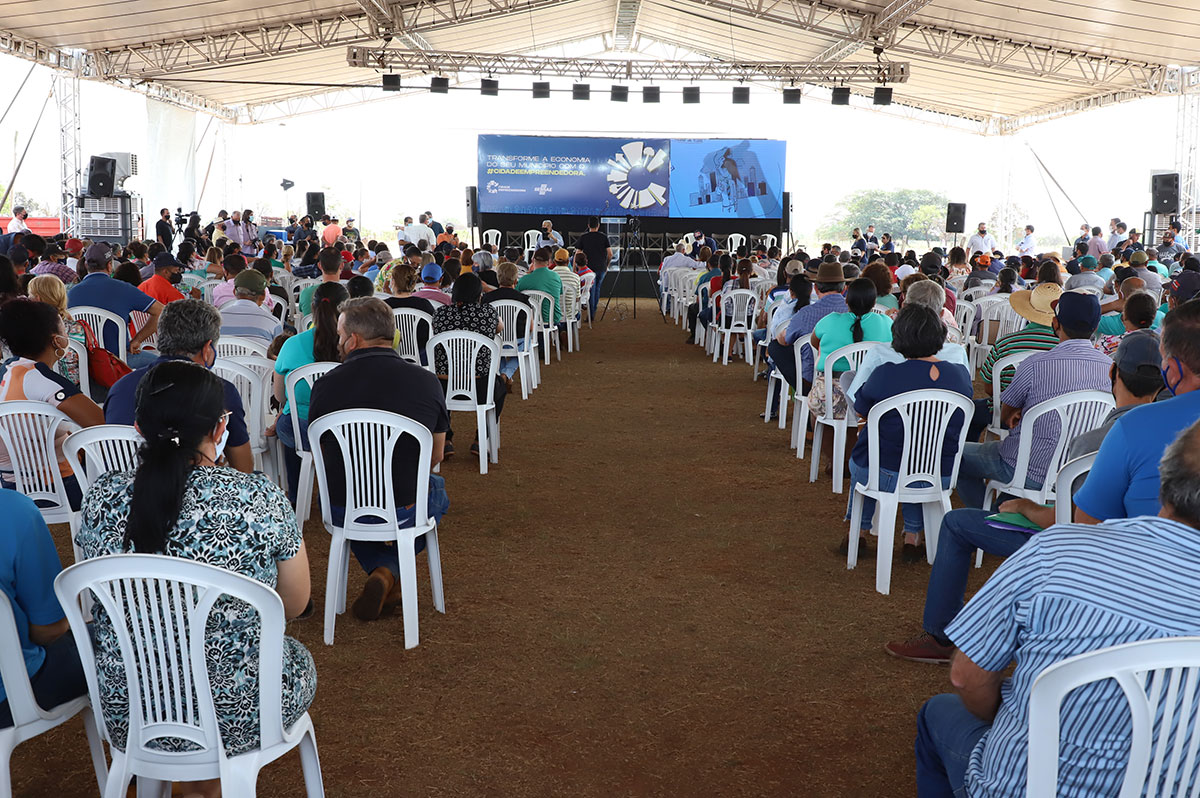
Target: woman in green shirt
point(836, 330)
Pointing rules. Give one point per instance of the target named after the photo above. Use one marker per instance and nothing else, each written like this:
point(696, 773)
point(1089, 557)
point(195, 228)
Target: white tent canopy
point(987, 63)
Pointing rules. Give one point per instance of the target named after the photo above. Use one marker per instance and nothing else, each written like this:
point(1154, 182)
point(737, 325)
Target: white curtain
point(168, 171)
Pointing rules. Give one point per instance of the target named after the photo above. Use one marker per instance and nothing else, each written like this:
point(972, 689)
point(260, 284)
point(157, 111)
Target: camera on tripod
point(181, 218)
point(633, 224)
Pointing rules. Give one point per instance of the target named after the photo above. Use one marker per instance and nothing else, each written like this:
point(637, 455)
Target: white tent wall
point(168, 168)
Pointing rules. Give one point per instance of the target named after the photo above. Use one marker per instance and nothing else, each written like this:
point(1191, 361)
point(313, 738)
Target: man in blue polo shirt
point(189, 330)
point(1124, 480)
point(28, 565)
point(100, 290)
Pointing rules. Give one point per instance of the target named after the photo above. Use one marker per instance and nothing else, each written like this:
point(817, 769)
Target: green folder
point(1014, 520)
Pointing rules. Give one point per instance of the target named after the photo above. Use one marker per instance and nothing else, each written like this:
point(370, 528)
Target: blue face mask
point(1167, 380)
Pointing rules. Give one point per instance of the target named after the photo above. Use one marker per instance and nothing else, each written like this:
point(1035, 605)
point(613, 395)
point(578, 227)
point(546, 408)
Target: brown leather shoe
point(922, 648)
point(368, 606)
point(391, 601)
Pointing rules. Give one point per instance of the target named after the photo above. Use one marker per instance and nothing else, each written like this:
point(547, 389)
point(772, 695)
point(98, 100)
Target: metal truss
point(1088, 102)
point(625, 24)
point(66, 95)
point(1187, 153)
point(874, 28)
point(439, 63)
point(241, 46)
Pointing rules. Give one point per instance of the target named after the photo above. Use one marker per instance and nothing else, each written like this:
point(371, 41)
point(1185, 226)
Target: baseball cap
point(1088, 262)
point(164, 260)
point(349, 218)
point(251, 280)
point(1137, 349)
point(346, 256)
point(793, 267)
point(1185, 286)
point(983, 260)
point(1139, 258)
point(98, 254)
point(51, 250)
point(431, 272)
point(74, 246)
point(1077, 310)
point(561, 255)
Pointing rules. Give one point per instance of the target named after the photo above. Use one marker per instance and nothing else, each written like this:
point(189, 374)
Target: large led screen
point(726, 179)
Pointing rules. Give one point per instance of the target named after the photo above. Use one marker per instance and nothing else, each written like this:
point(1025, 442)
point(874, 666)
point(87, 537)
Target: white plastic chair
point(852, 354)
point(368, 438)
point(739, 306)
point(408, 323)
point(957, 283)
point(28, 430)
point(733, 241)
point(688, 240)
point(171, 599)
point(310, 374)
point(29, 719)
point(1158, 679)
point(531, 239)
point(543, 308)
point(972, 294)
point(492, 237)
point(208, 286)
point(702, 292)
point(95, 451)
point(999, 319)
point(463, 349)
point(191, 281)
point(767, 240)
point(1073, 413)
point(585, 292)
point(97, 319)
point(572, 317)
point(233, 345)
point(998, 368)
point(926, 416)
point(517, 341)
point(964, 316)
point(253, 391)
point(80, 350)
point(800, 414)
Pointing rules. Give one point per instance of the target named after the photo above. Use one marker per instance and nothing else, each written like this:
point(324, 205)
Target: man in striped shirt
point(1072, 589)
point(244, 316)
point(1073, 365)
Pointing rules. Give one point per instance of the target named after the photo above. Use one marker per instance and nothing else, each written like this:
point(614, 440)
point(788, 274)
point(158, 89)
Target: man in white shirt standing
point(1026, 247)
point(17, 223)
point(421, 232)
point(1117, 234)
point(981, 241)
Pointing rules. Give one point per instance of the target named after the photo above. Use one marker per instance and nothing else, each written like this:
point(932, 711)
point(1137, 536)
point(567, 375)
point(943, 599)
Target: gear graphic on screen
point(633, 178)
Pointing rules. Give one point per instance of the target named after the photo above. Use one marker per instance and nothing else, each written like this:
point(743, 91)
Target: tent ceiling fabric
point(981, 60)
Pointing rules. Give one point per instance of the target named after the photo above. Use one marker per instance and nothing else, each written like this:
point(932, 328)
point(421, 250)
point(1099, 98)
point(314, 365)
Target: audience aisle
point(642, 598)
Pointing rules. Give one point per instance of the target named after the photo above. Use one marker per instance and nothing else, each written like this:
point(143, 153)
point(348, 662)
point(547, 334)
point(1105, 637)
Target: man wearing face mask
point(168, 273)
point(1124, 483)
point(187, 330)
point(981, 241)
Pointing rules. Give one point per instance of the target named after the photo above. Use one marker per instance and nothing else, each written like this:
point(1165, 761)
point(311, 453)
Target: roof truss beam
point(625, 24)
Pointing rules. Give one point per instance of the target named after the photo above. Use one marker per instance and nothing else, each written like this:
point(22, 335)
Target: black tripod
point(632, 240)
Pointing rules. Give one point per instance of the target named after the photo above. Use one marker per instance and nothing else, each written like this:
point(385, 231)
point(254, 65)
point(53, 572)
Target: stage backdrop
point(705, 179)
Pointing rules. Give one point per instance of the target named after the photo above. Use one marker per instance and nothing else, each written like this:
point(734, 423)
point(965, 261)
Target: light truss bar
point(875, 28)
point(634, 69)
point(66, 95)
point(1045, 113)
point(242, 46)
point(625, 24)
point(1187, 153)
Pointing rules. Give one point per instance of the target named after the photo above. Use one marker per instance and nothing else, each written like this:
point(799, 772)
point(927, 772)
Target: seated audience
point(188, 331)
point(100, 290)
point(570, 280)
point(245, 317)
point(374, 377)
point(836, 330)
point(54, 262)
point(431, 285)
point(168, 273)
point(1139, 313)
point(542, 277)
point(881, 276)
point(829, 284)
point(1088, 277)
point(178, 502)
point(506, 275)
point(49, 289)
point(1112, 322)
point(358, 286)
point(329, 261)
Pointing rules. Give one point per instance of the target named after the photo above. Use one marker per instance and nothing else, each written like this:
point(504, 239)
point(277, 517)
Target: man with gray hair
point(677, 260)
point(925, 293)
point(244, 317)
point(187, 330)
point(374, 377)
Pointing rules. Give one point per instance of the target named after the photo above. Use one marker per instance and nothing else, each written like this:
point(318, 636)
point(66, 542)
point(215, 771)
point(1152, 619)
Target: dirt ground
point(642, 599)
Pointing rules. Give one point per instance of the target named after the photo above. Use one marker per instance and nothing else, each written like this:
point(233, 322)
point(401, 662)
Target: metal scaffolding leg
point(1187, 154)
point(66, 93)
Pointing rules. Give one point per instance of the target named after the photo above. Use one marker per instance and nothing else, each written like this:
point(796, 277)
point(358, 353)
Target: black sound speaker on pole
point(1164, 193)
point(956, 217)
point(102, 174)
point(472, 206)
point(315, 200)
point(785, 222)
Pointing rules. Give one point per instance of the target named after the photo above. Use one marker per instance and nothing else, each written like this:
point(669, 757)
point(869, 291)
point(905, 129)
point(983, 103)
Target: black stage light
point(439, 86)
point(841, 96)
point(541, 91)
point(741, 95)
point(489, 87)
point(391, 83)
point(650, 94)
point(581, 91)
point(791, 96)
point(619, 94)
point(691, 94)
point(883, 95)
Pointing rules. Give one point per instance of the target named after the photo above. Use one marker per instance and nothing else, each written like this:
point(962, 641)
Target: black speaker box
point(102, 173)
point(316, 204)
point(785, 221)
point(956, 217)
point(1164, 193)
point(472, 206)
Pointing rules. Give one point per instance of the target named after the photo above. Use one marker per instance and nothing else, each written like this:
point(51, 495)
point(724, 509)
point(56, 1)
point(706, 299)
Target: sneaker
point(911, 554)
point(922, 648)
point(448, 449)
point(774, 416)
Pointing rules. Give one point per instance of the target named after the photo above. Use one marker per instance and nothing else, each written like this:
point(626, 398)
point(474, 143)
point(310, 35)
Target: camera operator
point(164, 230)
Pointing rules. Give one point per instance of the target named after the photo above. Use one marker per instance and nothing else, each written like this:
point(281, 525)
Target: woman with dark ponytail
point(836, 330)
point(179, 503)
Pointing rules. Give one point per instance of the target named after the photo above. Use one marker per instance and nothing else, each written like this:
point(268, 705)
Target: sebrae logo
point(543, 190)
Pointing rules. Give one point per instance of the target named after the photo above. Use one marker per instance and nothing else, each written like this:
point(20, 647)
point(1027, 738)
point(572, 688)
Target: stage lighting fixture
point(791, 96)
point(285, 184)
point(841, 95)
point(439, 86)
point(691, 95)
point(581, 91)
point(391, 83)
point(650, 94)
point(619, 94)
point(741, 95)
point(489, 87)
point(883, 95)
point(541, 91)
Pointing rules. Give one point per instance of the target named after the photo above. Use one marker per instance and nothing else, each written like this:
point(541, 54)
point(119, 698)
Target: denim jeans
point(594, 297)
point(963, 531)
point(914, 518)
point(508, 365)
point(947, 733)
point(137, 360)
point(372, 554)
point(291, 460)
point(982, 462)
point(59, 680)
point(980, 420)
point(783, 358)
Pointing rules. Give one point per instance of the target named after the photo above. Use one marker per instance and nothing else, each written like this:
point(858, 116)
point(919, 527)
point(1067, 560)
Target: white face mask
point(219, 445)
